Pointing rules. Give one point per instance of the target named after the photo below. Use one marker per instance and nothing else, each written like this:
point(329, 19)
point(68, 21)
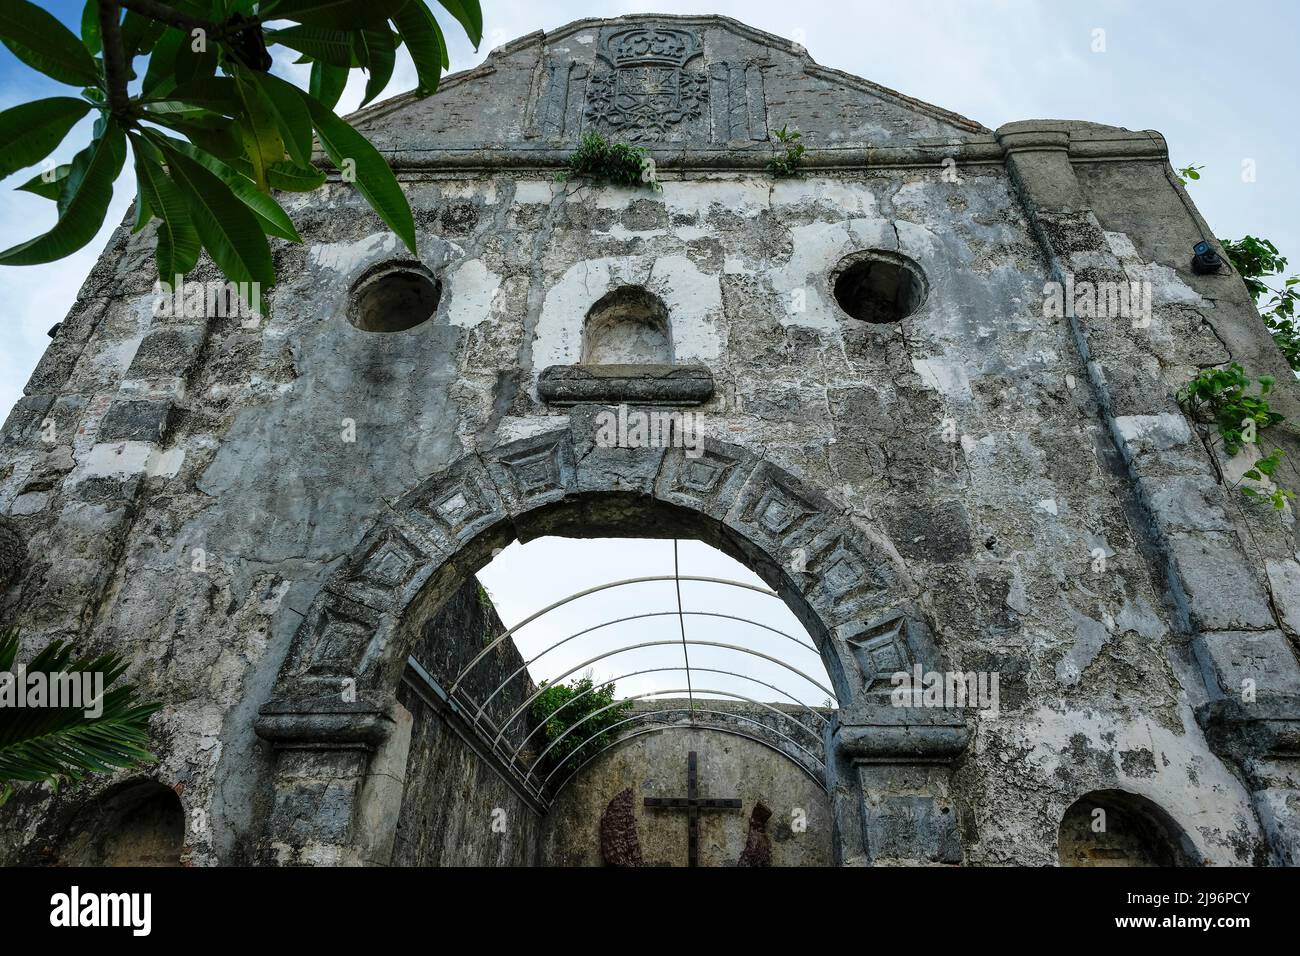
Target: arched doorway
point(140, 823)
point(1118, 828)
point(333, 706)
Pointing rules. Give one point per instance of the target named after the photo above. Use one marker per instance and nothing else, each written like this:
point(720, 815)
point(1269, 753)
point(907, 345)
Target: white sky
point(526, 578)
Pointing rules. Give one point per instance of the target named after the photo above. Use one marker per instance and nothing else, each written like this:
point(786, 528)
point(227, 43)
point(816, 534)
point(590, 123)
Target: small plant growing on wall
point(1222, 396)
point(790, 162)
point(597, 160)
point(581, 717)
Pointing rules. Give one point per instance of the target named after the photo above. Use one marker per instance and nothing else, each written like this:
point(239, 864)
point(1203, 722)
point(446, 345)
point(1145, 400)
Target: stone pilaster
point(337, 767)
point(1220, 598)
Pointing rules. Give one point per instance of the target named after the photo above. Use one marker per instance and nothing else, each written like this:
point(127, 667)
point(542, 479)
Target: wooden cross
point(692, 804)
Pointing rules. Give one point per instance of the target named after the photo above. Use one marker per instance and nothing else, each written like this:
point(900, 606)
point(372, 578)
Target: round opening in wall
point(393, 297)
point(879, 287)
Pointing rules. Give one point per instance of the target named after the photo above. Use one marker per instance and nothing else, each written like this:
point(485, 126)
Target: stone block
point(637, 384)
point(1187, 503)
point(1263, 657)
point(23, 426)
point(1216, 584)
point(911, 828)
point(166, 352)
point(137, 420)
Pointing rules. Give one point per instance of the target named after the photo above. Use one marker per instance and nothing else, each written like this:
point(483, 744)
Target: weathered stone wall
point(654, 765)
point(456, 809)
point(990, 451)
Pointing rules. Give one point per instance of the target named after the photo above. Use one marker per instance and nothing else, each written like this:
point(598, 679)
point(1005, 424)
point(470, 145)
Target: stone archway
point(332, 706)
point(1118, 828)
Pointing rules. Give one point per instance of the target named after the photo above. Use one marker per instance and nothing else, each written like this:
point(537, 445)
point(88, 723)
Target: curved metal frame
point(632, 647)
point(527, 779)
point(637, 617)
point(600, 587)
point(678, 690)
point(540, 789)
point(659, 670)
point(654, 730)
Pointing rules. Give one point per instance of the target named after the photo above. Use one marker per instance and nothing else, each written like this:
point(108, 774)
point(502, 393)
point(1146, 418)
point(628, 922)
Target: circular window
point(394, 297)
point(879, 287)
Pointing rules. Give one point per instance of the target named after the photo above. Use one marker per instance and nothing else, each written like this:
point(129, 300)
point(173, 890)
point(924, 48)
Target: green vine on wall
point(1256, 260)
point(1222, 395)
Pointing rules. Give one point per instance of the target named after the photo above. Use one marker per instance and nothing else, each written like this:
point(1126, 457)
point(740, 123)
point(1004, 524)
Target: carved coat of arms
point(647, 90)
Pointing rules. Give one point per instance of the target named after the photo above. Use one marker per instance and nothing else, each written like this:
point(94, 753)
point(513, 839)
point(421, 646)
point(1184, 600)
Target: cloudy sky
point(1217, 80)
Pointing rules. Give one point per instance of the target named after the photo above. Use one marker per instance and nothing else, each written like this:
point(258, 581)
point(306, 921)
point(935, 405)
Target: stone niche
point(627, 356)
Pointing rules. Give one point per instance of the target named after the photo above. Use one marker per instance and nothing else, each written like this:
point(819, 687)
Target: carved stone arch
point(836, 576)
point(845, 582)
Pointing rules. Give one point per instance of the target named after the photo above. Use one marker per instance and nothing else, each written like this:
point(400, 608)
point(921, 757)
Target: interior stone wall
point(655, 765)
point(457, 810)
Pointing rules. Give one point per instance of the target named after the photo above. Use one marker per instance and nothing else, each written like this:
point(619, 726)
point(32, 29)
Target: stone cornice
point(1084, 144)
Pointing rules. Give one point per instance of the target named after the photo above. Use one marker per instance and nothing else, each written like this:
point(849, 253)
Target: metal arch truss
point(525, 774)
point(818, 778)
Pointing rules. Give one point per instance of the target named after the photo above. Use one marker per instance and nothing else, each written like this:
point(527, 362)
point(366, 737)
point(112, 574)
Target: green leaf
point(48, 183)
point(275, 220)
point(83, 203)
point(143, 214)
point(139, 34)
point(219, 141)
point(216, 94)
point(90, 27)
point(230, 232)
point(374, 179)
point(30, 132)
point(327, 82)
point(43, 43)
point(380, 56)
point(291, 117)
point(329, 46)
point(470, 15)
point(162, 61)
point(296, 179)
point(178, 241)
point(262, 143)
point(81, 162)
point(423, 38)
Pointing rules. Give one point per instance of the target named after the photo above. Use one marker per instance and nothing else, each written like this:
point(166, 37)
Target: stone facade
point(256, 513)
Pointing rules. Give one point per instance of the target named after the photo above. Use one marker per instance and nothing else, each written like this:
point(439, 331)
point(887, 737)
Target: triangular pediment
point(693, 82)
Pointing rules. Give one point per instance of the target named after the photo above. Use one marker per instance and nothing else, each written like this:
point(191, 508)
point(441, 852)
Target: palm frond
point(62, 744)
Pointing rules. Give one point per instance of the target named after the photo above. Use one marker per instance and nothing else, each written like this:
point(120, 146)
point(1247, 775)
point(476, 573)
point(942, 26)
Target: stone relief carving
point(646, 91)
